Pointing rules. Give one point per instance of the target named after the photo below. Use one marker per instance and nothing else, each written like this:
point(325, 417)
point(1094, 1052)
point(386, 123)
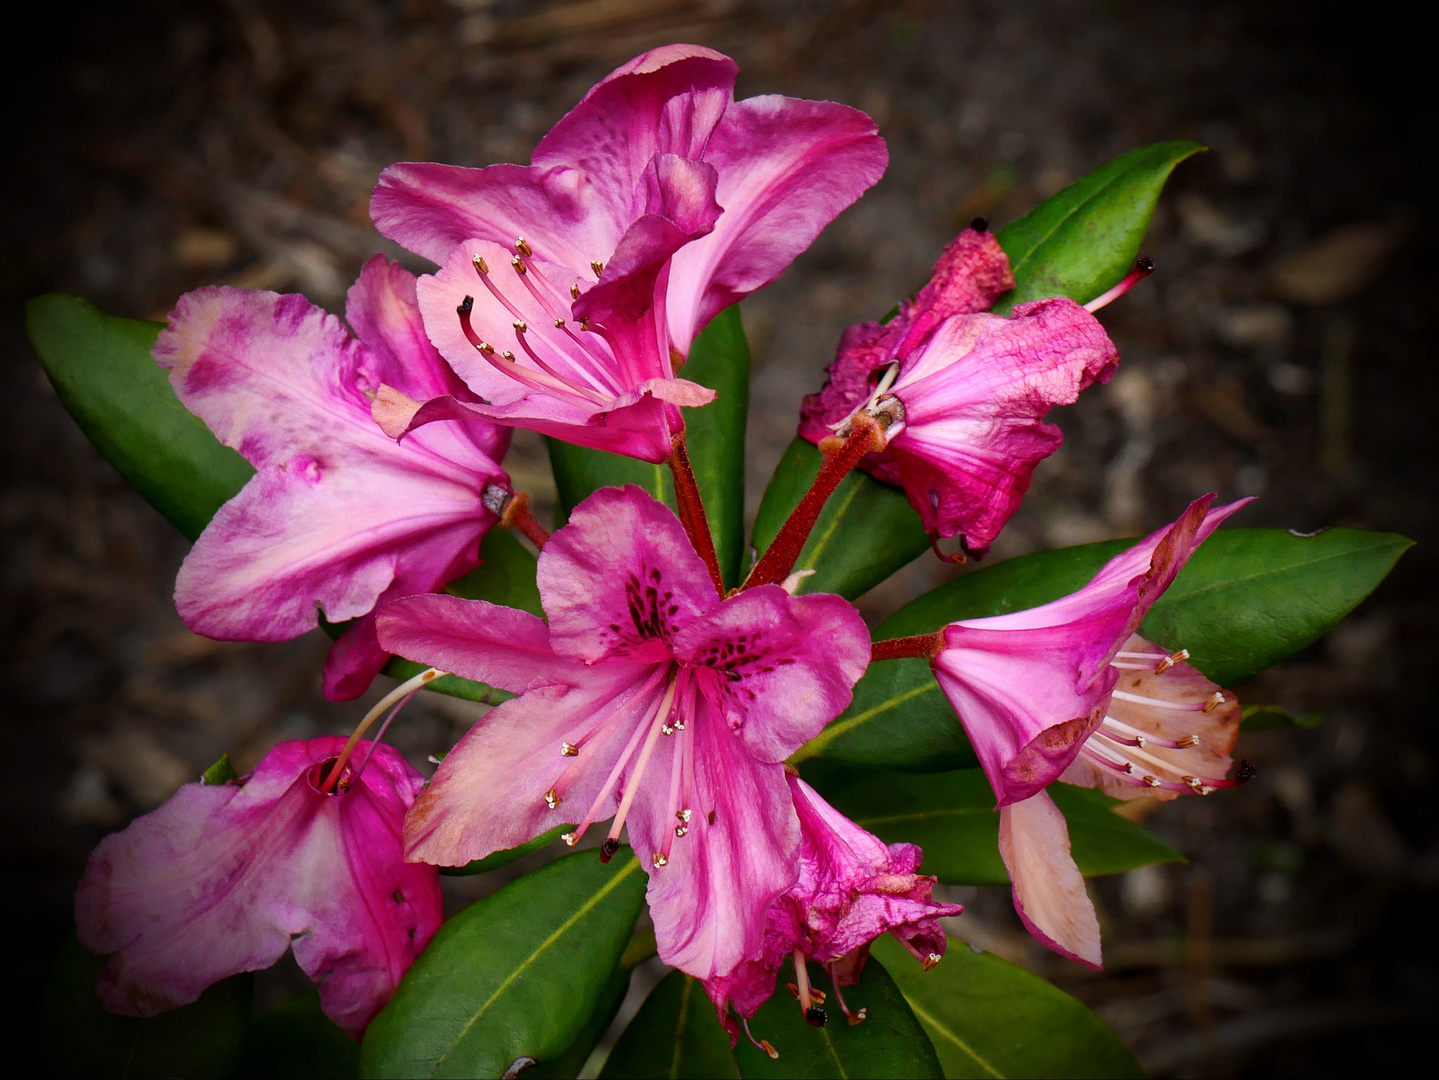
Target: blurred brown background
point(1283, 350)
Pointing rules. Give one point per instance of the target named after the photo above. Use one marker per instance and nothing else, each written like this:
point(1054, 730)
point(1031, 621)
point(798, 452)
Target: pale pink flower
point(646, 698)
point(224, 878)
point(581, 280)
point(337, 518)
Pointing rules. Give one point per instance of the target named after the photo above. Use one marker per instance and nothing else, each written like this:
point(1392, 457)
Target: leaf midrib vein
point(952, 1037)
point(563, 929)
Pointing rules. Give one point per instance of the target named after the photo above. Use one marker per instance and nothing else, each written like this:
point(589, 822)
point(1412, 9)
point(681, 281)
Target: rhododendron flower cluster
point(649, 699)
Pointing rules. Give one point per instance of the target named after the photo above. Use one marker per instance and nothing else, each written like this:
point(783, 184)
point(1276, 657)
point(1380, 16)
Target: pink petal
point(429, 208)
point(474, 639)
point(489, 792)
point(353, 661)
point(219, 879)
point(777, 667)
point(665, 101)
point(620, 579)
point(787, 168)
point(1049, 893)
point(973, 399)
point(863, 349)
point(709, 902)
point(1019, 697)
point(337, 513)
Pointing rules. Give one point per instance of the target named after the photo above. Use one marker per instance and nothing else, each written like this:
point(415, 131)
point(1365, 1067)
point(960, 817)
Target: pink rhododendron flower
point(961, 394)
point(1068, 690)
point(224, 878)
point(1167, 731)
point(338, 517)
point(582, 280)
point(648, 699)
point(852, 888)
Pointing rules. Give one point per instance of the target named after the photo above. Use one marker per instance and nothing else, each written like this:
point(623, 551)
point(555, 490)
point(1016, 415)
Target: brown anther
point(523, 247)
point(928, 962)
point(764, 1044)
point(793, 989)
point(1186, 741)
point(584, 323)
point(858, 1018)
point(569, 750)
point(1152, 781)
point(569, 838)
point(574, 290)
point(660, 859)
point(480, 265)
point(597, 266)
point(519, 265)
point(1214, 702)
point(486, 348)
point(681, 830)
point(666, 729)
point(508, 355)
point(1140, 741)
point(559, 324)
point(683, 815)
point(553, 798)
point(1194, 782)
point(1170, 660)
point(679, 725)
point(520, 327)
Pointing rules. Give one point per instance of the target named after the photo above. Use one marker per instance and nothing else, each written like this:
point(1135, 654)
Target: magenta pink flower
point(338, 517)
point(1167, 731)
point(223, 879)
point(961, 395)
point(1031, 686)
point(581, 281)
point(648, 699)
point(852, 888)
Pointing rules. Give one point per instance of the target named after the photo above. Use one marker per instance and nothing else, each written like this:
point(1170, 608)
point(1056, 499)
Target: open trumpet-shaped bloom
point(961, 394)
point(1031, 686)
point(571, 290)
point(224, 878)
point(338, 517)
point(646, 699)
point(852, 888)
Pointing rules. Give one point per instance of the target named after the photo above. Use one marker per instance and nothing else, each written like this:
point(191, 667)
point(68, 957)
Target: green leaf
point(568, 1064)
point(514, 975)
point(222, 772)
point(714, 434)
point(866, 531)
point(674, 1035)
point(505, 576)
point(1247, 599)
point(1250, 597)
point(401, 669)
point(101, 369)
point(989, 1018)
point(497, 859)
point(1268, 717)
point(952, 817)
point(200, 1039)
point(295, 1039)
point(890, 1043)
point(1083, 240)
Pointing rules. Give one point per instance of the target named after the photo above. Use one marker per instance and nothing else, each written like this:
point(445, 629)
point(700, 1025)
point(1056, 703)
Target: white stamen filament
point(399, 693)
point(1158, 703)
point(660, 720)
point(610, 781)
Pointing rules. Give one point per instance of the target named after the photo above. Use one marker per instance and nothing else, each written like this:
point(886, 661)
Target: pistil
point(1143, 267)
point(809, 999)
point(398, 695)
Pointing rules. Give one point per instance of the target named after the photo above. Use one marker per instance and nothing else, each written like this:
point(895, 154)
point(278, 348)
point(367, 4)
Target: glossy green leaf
point(1084, 239)
point(222, 772)
point(517, 974)
point(568, 1064)
point(83, 1040)
point(714, 434)
point(1247, 599)
point(294, 1039)
point(989, 1018)
point(497, 859)
point(866, 531)
point(674, 1035)
point(951, 816)
point(1268, 717)
point(101, 369)
point(890, 1043)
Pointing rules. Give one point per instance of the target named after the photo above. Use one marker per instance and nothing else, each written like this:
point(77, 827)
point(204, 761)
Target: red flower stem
point(920, 645)
point(692, 509)
point(517, 516)
point(865, 436)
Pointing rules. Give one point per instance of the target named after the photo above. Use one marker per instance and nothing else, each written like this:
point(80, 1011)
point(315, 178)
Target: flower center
point(578, 368)
point(1152, 748)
